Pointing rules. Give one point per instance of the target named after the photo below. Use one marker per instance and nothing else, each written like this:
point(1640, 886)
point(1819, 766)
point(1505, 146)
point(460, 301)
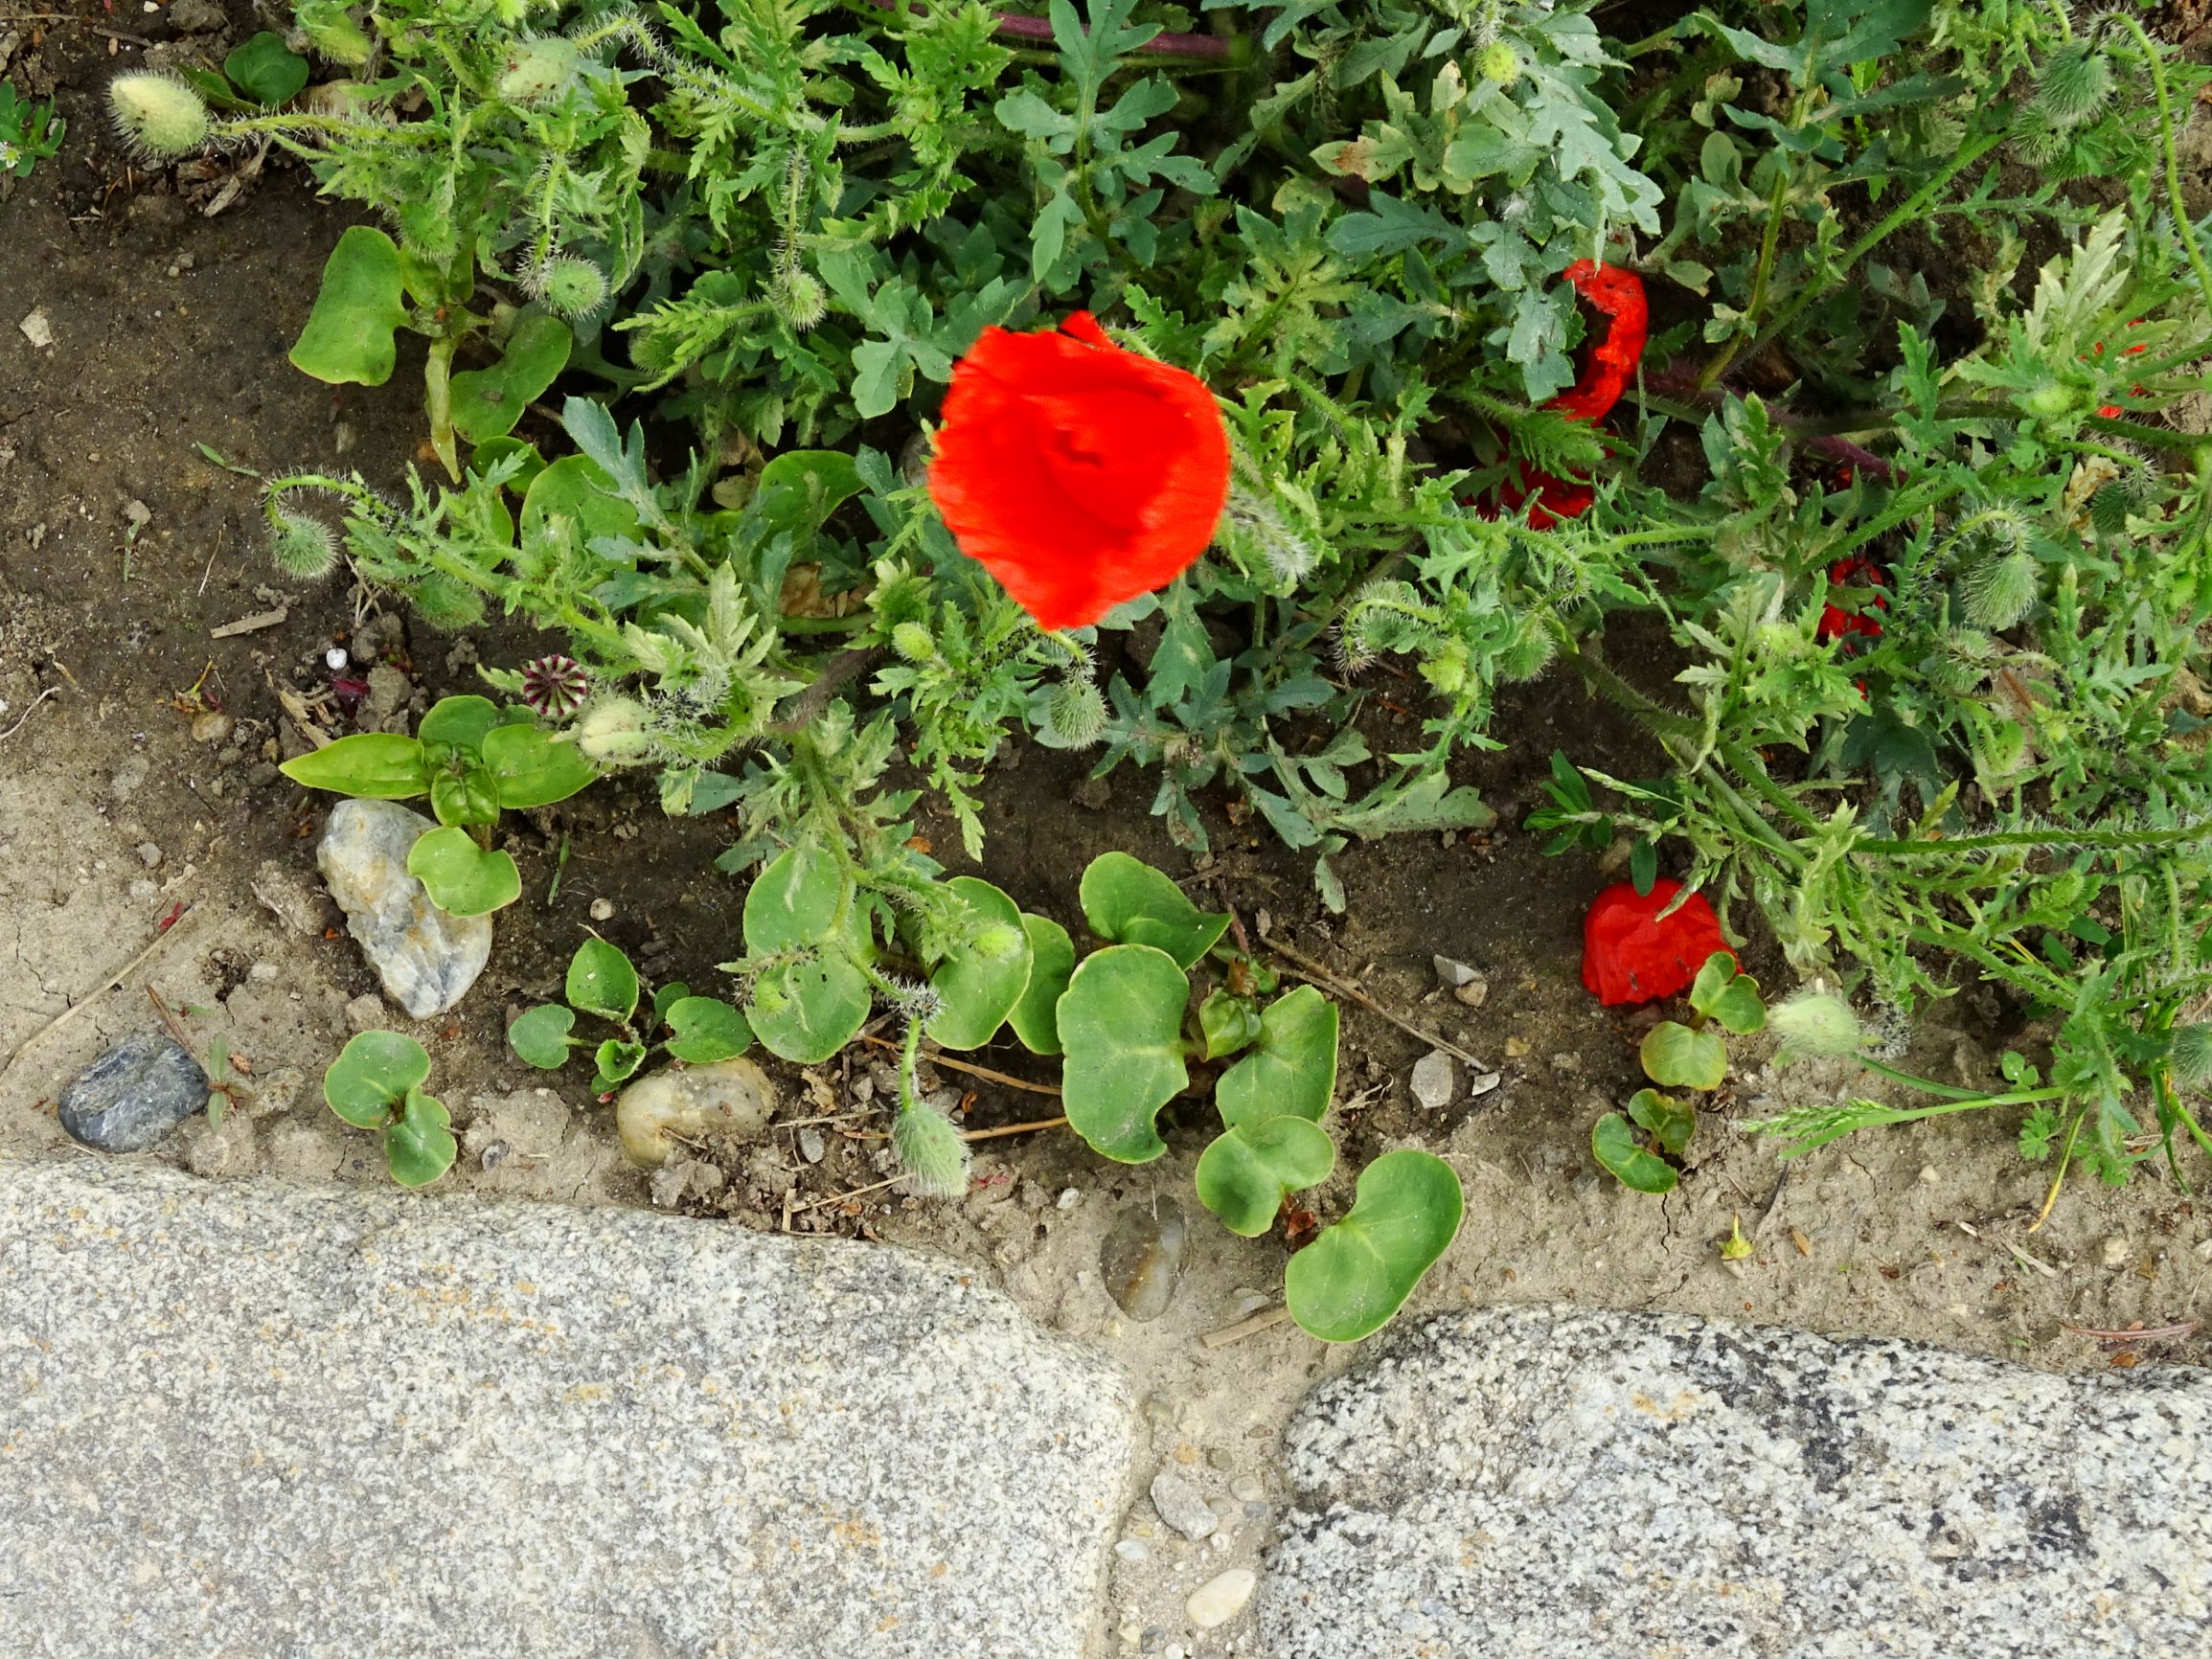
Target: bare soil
point(169, 331)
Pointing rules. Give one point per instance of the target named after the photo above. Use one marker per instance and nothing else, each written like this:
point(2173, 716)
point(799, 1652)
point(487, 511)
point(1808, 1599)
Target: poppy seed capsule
point(1815, 1022)
point(934, 1153)
point(158, 115)
point(614, 733)
point(1499, 64)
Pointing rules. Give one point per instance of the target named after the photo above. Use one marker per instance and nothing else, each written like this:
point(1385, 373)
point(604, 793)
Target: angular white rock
point(426, 958)
point(1536, 1483)
point(1433, 1080)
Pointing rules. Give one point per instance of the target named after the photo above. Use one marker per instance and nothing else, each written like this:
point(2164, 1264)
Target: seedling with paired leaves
point(603, 983)
point(473, 760)
point(1678, 1056)
point(30, 132)
point(377, 1083)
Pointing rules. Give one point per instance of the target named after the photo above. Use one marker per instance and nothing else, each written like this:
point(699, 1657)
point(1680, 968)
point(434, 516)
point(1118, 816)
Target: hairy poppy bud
point(2191, 1056)
point(158, 115)
point(538, 69)
point(301, 545)
point(1815, 1022)
point(2000, 590)
point(1500, 62)
point(2074, 85)
point(614, 733)
point(932, 1151)
point(1076, 713)
point(570, 287)
point(914, 642)
point(330, 29)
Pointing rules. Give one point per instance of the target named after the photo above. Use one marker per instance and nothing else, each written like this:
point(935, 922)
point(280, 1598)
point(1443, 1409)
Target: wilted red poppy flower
point(1079, 474)
point(1632, 954)
point(1836, 623)
point(2114, 411)
point(1608, 364)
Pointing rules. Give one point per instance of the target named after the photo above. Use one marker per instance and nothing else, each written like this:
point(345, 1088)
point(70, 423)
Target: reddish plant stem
point(1679, 383)
point(1038, 31)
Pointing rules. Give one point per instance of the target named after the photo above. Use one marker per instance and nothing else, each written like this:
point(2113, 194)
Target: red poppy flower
point(1836, 623)
point(1630, 953)
point(1079, 474)
point(1608, 365)
point(2114, 411)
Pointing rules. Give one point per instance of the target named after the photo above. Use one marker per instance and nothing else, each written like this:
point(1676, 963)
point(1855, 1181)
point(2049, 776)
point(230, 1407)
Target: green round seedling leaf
point(1292, 1068)
point(461, 722)
point(666, 998)
point(348, 338)
point(618, 1061)
point(533, 768)
point(569, 504)
point(1725, 992)
point(706, 1029)
point(487, 402)
point(801, 488)
point(369, 766)
point(462, 878)
point(1676, 1057)
point(1227, 1023)
point(371, 1075)
point(1348, 1282)
point(1616, 1144)
point(601, 981)
point(265, 70)
point(1122, 1021)
point(805, 1011)
point(1126, 901)
point(419, 1147)
point(493, 450)
point(795, 901)
point(464, 797)
point(1247, 1172)
point(541, 1037)
point(1666, 1120)
point(980, 987)
point(1051, 964)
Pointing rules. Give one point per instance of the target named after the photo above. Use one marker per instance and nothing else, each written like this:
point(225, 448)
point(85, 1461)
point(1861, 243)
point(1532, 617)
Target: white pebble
point(1070, 1198)
point(1219, 1600)
point(602, 910)
point(1433, 1080)
point(1133, 1550)
point(335, 658)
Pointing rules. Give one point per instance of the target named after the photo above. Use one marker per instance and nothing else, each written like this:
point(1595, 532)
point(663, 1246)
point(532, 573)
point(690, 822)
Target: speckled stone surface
point(133, 1096)
point(246, 1421)
point(426, 958)
point(1568, 1484)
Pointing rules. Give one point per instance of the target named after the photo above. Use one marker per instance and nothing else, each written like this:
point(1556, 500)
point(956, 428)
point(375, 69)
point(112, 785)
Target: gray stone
point(1141, 1257)
point(426, 959)
point(253, 1419)
point(1551, 1482)
point(1433, 1080)
point(134, 1095)
point(1182, 1506)
point(197, 16)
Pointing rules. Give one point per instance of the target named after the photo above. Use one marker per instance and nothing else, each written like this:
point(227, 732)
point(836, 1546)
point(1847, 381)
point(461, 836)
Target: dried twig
point(974, 1071)
point(1266, 1319)
point(1012, 1129)
point(840, 1197)
point(98, 990)
point(247, 625)
point(49, 692)
point(2161, 1333)
point(1308, 968)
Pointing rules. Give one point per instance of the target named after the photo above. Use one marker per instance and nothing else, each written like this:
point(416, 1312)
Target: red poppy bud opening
point(1835, 623)
point(1079, 474)
point(1631, 953)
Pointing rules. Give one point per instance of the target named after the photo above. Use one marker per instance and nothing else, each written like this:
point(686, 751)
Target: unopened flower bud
point(158, 115)
point(614, 733)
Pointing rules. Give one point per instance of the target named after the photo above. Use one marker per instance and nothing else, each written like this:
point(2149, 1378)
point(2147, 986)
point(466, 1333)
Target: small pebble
point(150, 855)
point(335, 658)
point(136, 1094)
point(1222, 1458)
point(2116, 1252)
point(602, 910)
point(1433, 1080)
point(211, 727)
point(143, 890)
point(1133, 1550)
point(810, 1145)
point(1182, 1506)
point(1141, 1257)
point(1452, 975)
point(1483, 1082)
point(1220, 1599)
point(1070, 1198)
point(1247, 1489)
point(1473, 993)
point(1158, 1409)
